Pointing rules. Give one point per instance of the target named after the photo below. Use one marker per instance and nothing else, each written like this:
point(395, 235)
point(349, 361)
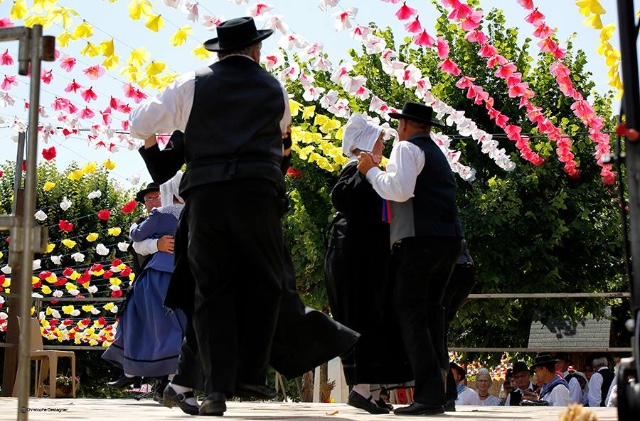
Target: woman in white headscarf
point(149, 336)
point(356, 267)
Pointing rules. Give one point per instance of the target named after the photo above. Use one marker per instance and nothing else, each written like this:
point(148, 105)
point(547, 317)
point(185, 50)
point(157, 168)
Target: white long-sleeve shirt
point(398, 182)
point(595, 389)
point(170, 109)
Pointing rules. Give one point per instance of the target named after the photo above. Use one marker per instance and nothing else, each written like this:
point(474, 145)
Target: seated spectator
point(600, 382)
point(507, 386)
point(483, 384)
point(555, 389)
point(466, 395)
point(523, 387)
point(563, 362)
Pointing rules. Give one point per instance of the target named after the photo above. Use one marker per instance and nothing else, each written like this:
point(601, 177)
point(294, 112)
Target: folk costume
point(149, 336)
point(425, 238)
point(232, 114)
point(356, 270)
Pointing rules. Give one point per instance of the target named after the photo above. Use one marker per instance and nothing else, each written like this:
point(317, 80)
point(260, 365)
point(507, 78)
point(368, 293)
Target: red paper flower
point(129, 207)
point(65, 225)
point(116, 294)
point(125, 272)
point(104, 214)
point(67, 272)
point(96, 267)
point(49, 154)
point(44, 274)
point(107, 274)
point(291, 172)
point(116, 262)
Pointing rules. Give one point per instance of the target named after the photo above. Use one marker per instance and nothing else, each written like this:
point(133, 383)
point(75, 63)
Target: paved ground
point(130, 409)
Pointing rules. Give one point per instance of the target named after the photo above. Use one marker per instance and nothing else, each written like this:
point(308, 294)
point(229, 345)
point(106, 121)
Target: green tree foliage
point(529, 230)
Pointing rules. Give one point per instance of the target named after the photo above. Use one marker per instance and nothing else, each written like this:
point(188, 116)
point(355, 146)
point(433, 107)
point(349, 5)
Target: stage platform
point(131, 410)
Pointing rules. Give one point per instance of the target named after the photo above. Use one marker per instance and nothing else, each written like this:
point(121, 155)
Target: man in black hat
point(234, 115)
point(523, 386)
point(425, 239)
point(149, 197)
point(554, 390)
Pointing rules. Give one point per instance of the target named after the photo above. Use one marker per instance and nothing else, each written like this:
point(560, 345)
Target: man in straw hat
point(233, 114)
point(425, 239)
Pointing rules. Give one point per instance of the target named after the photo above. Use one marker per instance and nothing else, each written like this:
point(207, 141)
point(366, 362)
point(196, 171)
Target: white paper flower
point(114, 310)
point(97, 194)
point(78, 257)
point(92, 289)
point(36, 264)
point(75, 313)
point(57, 260)
point(55, 313)
point(36, 295)
point(123, 246)
point(74, 292)
point(102, 250)
point(65, 204)
point(57, 293)
point(40, 215)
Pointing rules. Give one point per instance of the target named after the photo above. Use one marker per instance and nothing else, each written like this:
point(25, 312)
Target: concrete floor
point(131, 410)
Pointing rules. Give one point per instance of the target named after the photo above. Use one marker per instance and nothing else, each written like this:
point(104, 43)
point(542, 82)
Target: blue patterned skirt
point(149, 336)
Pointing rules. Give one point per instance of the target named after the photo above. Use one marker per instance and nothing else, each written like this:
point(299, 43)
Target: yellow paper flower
point(180, 37)
point(63, 39)
point(37, 20)
point(106, 48)
point(155, 67)
point(74, 276)
point(201, 53)
point(115, 281)
point(50, 248)
point(155, 23)
point(87, 308)
point(48, 186)
point(295, 107)
point(109, 164)
point(139, 8)
point(46, 290)
point(108, 306)
point(75, 175)
point(308, 112)
point(18, 10)
point(114, 231)
point(6, 283)
point(68, 243)
point(92, 237)
point(67, 309)
point(138, 57)
point(90, 50)
point(34, 280)
point(84, 30)
point(52, 279)
point(91, 167)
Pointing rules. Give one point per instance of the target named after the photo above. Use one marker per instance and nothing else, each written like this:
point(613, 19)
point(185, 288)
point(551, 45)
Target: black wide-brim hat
point(461, 371)
point(417, 112)
point(151, 187)
point(542, 359)
point(234, 34)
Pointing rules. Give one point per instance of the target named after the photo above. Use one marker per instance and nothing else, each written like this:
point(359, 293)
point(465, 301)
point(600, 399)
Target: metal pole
point(24, 361)
point(17, 180)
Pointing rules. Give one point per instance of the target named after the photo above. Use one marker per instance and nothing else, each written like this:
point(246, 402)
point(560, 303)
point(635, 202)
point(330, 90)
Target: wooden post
point(10, 366)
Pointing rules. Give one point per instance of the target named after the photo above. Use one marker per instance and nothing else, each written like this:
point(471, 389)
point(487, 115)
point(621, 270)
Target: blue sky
point(304, 17)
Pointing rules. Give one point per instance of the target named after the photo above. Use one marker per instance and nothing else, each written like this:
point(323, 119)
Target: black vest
point(607, 378)
point(233, 130)
point(433, 210)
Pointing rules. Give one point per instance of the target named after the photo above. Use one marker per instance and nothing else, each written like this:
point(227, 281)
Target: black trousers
point(422, 267)
point(235, 255)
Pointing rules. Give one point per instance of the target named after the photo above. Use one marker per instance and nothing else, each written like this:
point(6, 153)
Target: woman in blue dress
point(149, 335)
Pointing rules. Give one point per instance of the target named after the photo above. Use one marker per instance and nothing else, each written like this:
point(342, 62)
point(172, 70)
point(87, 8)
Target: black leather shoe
point(359, 401)
point(213, 404)
point(450, 406)
point(383, 404)
point(124, 381)
point(158, 390)
point(418, 408)
point(170, 398)
point(255, 391)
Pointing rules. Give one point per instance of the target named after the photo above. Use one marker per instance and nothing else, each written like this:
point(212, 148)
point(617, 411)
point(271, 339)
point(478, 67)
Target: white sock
point(375, 394)
point(128, 375)
point(181, 389)
point(363, 390)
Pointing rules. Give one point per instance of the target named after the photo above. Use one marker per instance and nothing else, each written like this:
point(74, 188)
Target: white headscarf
point(170, 189)
point(359, 134)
